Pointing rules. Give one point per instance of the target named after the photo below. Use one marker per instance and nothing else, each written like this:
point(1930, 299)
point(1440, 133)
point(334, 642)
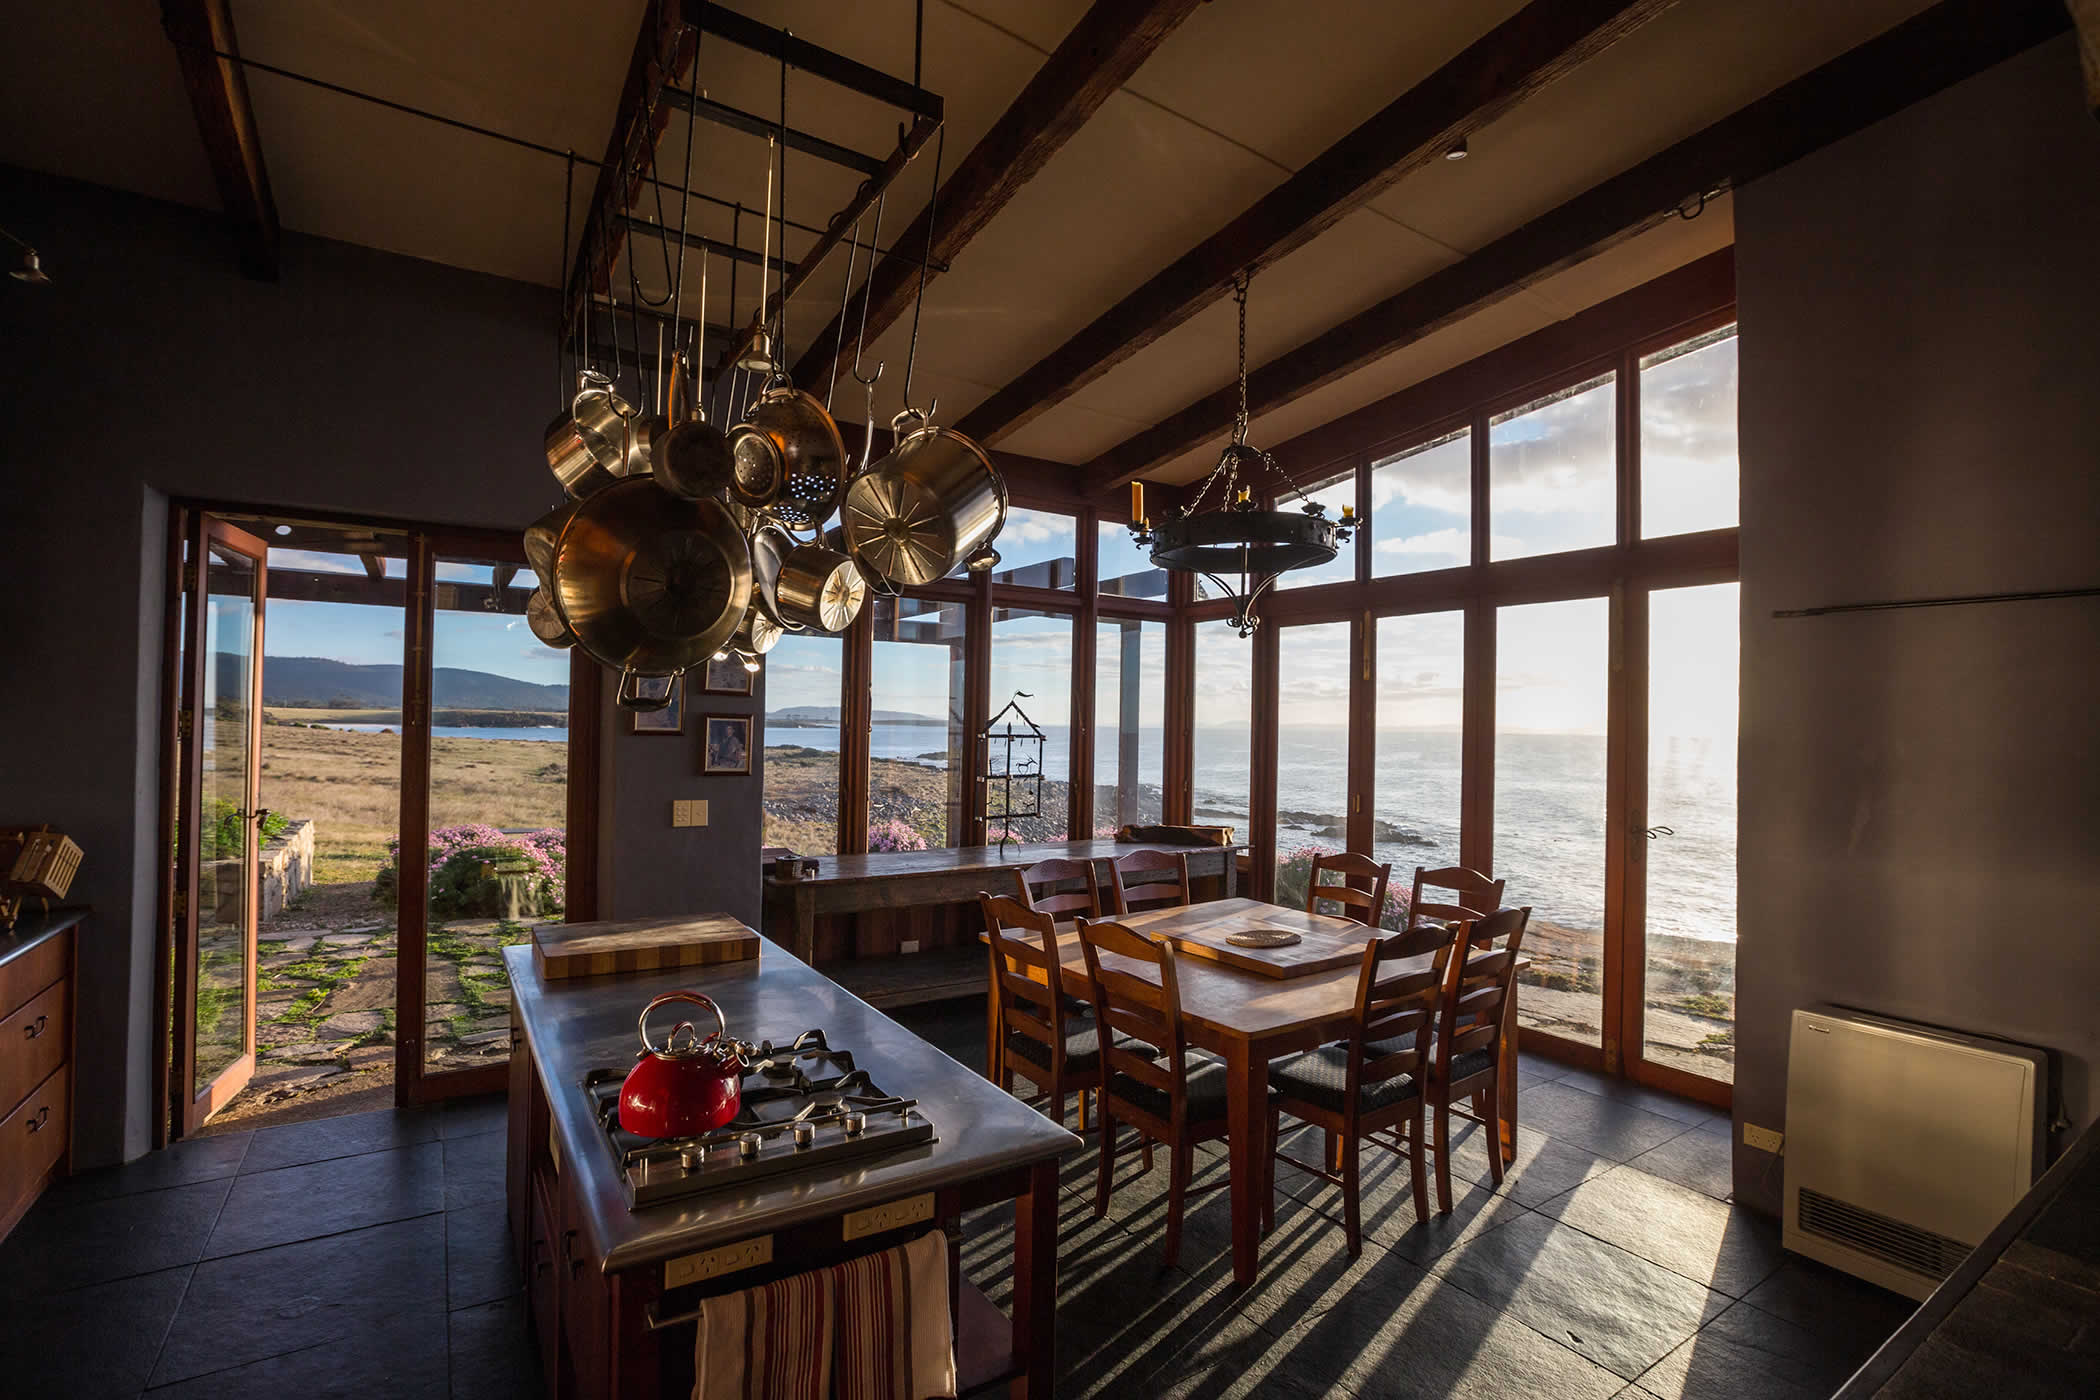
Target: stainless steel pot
point(692, 461)
point(546, 621)
point(757, 634)
point(650, 584)
point(788, 457)
point(542, 538)
point(818, 588)
point(770, 546)
point(587, 447)
point(920, 512)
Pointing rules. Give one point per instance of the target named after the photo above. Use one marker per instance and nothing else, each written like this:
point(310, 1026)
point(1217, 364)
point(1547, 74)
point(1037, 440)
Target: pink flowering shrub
point(466, 863)
point(895, 835)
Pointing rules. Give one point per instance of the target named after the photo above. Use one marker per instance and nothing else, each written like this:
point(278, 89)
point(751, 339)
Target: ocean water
point(1549, 807)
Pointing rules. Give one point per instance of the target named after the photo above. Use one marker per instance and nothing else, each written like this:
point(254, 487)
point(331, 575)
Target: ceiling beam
point(1537, 46)
point(1926, 54)
point(218, 90)
point(1109, 43)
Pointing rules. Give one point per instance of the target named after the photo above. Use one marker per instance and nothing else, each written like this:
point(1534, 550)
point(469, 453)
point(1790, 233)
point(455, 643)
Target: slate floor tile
point(493, 1356)
point(1828, 1301)
point(326, 1197)
point(1386, 1199)
point(181, 1164)
point(1725, 1247)
point(1237, 1361)
point(94, 1342)
point(1641, 1096)
point(1545, 1165)
point(1746, 1354)
point(1605, 1126)
point(251, 1306)
point(1601, 1302)
point(59, 1247)
point(1704, 1161)
point(474, 1169)
point(486, 1113)
point(480, 1265)
point(294, 1144)
point(404, 1357)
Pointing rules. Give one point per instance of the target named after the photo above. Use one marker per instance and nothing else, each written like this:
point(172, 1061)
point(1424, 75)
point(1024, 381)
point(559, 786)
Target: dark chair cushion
point(1464, 1067)
point(1206, 1091)
point(1321, 1078)
point(1082, 1047)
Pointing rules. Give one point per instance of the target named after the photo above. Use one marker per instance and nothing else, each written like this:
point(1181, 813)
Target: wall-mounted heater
point(1905, 1144)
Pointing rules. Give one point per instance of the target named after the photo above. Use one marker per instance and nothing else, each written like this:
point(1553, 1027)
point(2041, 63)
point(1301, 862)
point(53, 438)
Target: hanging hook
point(911, 362)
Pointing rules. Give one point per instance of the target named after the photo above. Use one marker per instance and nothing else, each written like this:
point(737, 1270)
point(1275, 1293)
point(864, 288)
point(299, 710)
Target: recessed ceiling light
point(284, 529)
point(1457, 152)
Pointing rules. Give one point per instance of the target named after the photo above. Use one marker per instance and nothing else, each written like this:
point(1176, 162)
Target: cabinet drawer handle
point(43, 1115)
point(31, 1032)
point(568, 1253)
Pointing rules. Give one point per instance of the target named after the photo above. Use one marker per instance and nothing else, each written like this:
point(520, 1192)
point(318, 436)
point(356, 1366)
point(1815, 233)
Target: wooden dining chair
point(1358, 903)
point(1034, 883)
point(1149, 880)
point(1469, 1045)
point(1038, 1028)
point(1472, 894)
point(1176, 1100)
point(1374, 1085)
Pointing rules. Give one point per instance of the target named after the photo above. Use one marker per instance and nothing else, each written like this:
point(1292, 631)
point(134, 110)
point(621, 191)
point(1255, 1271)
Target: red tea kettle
point(689, 1085)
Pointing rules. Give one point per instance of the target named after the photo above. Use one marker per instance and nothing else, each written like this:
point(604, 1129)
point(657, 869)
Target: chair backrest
point(1358, 903)
point(1478, 985)
point(1049, 875)
point(1024, 940)
point(1398, 1004)
point(1136, 1006)
point(1149, 880)
point(1473, 894)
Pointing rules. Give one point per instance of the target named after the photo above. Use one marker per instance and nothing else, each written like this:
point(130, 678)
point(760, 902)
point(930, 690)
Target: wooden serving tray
point(1199, 931)
point(639, 945)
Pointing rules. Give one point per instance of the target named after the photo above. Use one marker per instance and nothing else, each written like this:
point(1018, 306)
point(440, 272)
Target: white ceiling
point(1243, 93)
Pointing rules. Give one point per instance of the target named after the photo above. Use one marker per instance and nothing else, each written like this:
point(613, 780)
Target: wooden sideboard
point(36, 1057)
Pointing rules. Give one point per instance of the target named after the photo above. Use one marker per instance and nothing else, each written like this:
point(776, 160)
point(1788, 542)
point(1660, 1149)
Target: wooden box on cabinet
point(36, 1057)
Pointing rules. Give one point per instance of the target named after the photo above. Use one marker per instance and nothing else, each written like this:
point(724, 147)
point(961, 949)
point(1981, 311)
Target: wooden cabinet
point(36, 1054)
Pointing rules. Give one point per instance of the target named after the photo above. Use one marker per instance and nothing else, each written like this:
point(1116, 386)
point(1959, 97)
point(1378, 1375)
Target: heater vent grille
point(1871, 1232)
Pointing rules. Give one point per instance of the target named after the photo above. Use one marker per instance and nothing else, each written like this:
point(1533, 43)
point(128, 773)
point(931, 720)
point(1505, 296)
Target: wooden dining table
point(1249, 1018)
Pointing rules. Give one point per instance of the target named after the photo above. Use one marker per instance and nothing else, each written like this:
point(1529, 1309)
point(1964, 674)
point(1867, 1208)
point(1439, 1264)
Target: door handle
point(1655, 832)
point(31, 1032)
point(43, 1116)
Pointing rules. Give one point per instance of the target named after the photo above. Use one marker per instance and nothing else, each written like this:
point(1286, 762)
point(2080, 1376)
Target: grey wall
point(360, 382)
point(1921, 417)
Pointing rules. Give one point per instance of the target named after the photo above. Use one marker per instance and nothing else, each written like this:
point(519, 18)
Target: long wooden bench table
point(950, 875)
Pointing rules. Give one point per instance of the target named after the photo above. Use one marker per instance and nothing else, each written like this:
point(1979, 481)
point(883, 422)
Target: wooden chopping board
point(1199, 930)
point(639, 945)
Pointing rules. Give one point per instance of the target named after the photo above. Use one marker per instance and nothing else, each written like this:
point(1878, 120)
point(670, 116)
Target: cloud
point(1449, 543)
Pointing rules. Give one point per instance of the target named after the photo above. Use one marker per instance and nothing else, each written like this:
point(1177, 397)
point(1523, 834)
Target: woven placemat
point(1264, 938)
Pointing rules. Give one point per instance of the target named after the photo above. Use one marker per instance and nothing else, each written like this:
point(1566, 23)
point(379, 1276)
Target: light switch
point(689, 812)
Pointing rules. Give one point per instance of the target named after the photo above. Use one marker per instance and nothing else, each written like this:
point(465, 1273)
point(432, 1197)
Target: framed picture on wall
point(727, 749)
point(726, 677)
point(668, 720)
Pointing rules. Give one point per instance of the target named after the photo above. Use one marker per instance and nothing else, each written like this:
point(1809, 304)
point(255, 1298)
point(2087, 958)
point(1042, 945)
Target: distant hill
point(316, 683)
point(827, 717)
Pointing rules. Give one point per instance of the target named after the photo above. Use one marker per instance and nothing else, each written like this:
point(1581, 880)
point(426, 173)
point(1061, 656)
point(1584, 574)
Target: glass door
point(1312, 776)
point(219, 818)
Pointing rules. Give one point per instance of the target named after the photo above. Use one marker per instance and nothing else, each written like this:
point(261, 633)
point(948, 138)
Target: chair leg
point(1443, 1158)
point(1493, 1118)
point(1417, 1175)
point(1059, 1099)
point(1144, 1150)
point(1177, 1197)
point(1352, 1213)
point(1107, 1171)
point(1274, 1132)
point(1084, 1094)
point(1331, 1149)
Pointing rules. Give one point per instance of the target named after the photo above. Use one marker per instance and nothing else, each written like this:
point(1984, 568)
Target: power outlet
point(909, 945)
point(689, 812)
point(1763, 1139)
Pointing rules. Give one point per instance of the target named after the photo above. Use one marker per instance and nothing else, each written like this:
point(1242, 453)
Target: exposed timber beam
point(1108, 43)
point(1526, 53)
point(218, 91)
point(1954, 40)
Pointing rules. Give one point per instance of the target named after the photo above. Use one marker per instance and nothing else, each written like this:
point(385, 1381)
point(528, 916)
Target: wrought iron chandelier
point(1236, 536)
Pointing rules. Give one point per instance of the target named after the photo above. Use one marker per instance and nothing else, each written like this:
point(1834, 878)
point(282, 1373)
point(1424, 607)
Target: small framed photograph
point(726, 677)
point(727, 750)
point(668, 720)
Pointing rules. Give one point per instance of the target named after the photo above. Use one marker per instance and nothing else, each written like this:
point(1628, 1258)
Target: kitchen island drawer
point(32, 1138)
point(33, 1043)
point(27, 974)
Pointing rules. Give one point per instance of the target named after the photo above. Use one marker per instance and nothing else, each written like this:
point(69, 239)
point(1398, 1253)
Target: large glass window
point(1422, 507)
point(1223, 727)
point(915, 794)
point(803, 679)
point(1130, 717)
point(1416, 795)
point(1334, 495)
point(1551, 704)
point(1689, 1002)
point(1032, 670)
point(1038, 549)
point(1688, 451)
point(1552, 473)
point(1124, 567)
point(1312, 751)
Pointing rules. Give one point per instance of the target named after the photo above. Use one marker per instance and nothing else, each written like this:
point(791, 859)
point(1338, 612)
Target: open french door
point(218, 817)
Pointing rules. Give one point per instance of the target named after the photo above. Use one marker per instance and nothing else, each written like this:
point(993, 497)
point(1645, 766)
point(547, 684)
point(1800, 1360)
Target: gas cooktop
point(804, 1105)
